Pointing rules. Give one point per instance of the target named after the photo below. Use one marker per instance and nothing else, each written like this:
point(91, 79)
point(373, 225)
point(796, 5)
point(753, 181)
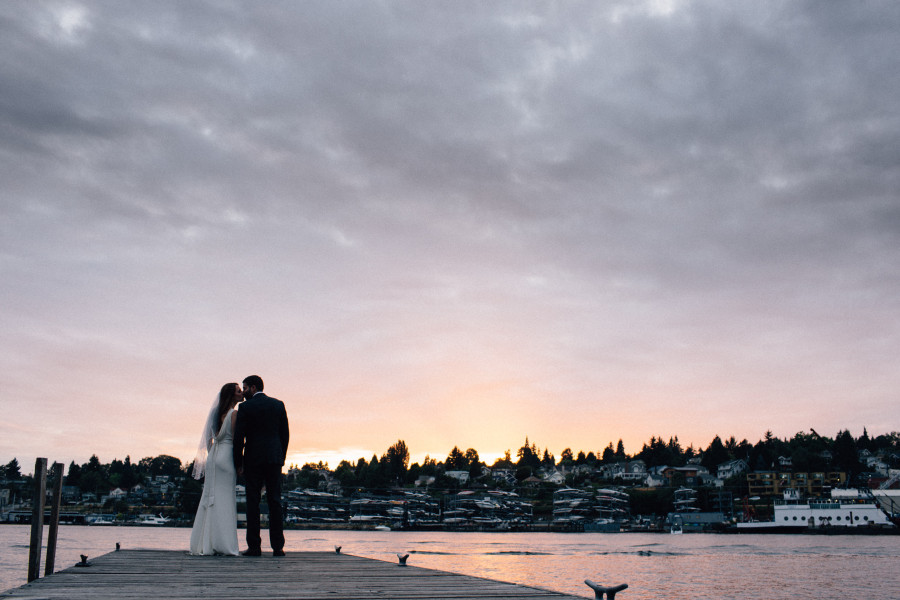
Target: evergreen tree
point(675, 453)
point(846, 453)
point(375, 474)
point(528, 457)
point(12, 470)
point(397, 459)
point(864, 443)
point(130, 477)
point(714, 455)
point(456, 460)
point(548, 461)
point(609, 455)
point(74, 474)
point(345, 473)
point(361, 468)
point(474, 463)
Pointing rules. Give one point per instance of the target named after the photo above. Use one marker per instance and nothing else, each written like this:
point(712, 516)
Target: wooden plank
point(173, 575)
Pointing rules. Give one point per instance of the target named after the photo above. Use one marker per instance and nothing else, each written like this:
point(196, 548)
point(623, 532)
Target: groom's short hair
point(254, 381)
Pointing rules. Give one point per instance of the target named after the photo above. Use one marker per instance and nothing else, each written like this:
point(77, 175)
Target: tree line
point(808, 451)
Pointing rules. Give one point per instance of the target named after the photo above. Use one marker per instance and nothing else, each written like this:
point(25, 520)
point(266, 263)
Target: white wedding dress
point(215, 526)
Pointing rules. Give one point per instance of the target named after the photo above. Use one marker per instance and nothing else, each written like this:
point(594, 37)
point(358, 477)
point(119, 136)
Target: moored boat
point(846, 511)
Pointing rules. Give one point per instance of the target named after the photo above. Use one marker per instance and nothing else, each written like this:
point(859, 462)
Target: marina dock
point(169, 574)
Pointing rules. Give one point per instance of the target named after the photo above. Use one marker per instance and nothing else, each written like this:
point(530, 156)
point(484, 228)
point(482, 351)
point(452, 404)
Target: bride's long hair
point(228, 397)
point(227, 400)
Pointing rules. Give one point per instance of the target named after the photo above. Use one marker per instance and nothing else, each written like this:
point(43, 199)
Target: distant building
point(633, 470)
point(507, 476)
point(425, 480)
point(691, 475)
point(460, 476)
point(554, 477)
point(654, 480)
point(774, 483)
point(876, 464)
point(70, 494)
point(731, 468)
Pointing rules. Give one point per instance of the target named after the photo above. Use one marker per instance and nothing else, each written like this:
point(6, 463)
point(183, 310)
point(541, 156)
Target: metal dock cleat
point(610, 591)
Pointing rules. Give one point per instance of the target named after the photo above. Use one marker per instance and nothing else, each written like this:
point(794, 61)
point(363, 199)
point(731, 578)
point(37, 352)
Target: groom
point(260, 445)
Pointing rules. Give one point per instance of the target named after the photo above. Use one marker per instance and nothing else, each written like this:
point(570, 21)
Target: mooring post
point(55, 497)
point(610, 591)
point(37, 519)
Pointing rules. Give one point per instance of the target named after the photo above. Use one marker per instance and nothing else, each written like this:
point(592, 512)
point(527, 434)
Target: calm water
point(655, 566)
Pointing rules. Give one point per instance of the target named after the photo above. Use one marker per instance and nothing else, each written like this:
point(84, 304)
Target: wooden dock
point(168, 574)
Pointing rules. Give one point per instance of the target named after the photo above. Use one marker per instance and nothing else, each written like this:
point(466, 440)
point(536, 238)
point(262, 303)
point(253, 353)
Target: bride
point(215, 526)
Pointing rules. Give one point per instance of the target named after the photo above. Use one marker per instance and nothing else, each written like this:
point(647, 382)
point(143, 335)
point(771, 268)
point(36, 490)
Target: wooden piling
point(55, 498)
point(37, 519)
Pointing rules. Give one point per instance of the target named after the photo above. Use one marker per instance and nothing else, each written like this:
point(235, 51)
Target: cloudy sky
point(452, 223)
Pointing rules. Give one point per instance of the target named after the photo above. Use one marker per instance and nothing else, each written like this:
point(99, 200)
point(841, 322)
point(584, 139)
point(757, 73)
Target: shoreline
point(535, 528)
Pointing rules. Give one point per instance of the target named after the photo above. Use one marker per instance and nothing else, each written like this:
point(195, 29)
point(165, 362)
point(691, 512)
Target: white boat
point(152, 520)
point(847, 510)
point(677, 526)
point(888, 499)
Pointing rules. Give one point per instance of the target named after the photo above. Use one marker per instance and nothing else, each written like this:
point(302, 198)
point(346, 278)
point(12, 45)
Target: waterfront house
point(633, 470)
point(461, 476)
point(425, 480)
point(567, 469)
point(655, 479)
point(507, 476)
point(554, 476)
point(70, 494)
point(688, 474)
point(731, 468)
point(875, 463)
point(709, 480)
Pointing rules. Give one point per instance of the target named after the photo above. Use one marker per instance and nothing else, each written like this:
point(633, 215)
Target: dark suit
point(260, 446)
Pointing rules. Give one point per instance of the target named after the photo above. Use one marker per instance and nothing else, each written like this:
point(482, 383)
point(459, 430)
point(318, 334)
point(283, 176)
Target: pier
point(171, 575)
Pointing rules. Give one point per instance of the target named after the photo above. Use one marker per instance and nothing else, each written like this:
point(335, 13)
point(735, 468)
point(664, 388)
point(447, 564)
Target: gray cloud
point(652, 199)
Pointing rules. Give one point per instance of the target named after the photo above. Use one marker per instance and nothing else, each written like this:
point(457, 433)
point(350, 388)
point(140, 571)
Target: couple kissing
point(249, 441)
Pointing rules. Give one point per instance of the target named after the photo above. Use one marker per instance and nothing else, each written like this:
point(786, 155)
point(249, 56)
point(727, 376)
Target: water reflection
point(751, 567)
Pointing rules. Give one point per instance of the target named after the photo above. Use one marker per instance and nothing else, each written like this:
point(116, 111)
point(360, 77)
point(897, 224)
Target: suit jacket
point(260, 433)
